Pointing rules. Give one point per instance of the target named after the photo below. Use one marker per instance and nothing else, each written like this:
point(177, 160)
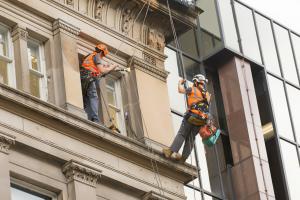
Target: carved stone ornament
point(60, 24)
point(19, 33)
point(70, 2)
point(76, 171)
point(156, 39)
point(127, 20)
point(5, 142)
point(99, 9)
point(149, 69)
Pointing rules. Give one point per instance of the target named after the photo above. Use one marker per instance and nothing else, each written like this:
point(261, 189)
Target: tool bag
point(209, 134)
point(195, 119)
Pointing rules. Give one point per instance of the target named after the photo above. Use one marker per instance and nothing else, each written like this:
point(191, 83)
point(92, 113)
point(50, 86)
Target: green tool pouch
point(196, 119)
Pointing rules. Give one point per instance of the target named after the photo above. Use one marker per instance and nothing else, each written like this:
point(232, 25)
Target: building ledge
point(62, 121)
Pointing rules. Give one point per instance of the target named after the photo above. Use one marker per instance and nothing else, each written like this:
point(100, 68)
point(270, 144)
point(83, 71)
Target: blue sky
point(286, 12)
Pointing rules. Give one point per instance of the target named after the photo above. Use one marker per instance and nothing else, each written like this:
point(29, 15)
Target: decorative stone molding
point(19, 33)
point(76, 171)
point(70, 2)
point(156, 39)
point(98, 12)
point(149, 69)
point(149, 59)
point(128, 15)
point(5, 142)
point(154, 196)
point(61, 24)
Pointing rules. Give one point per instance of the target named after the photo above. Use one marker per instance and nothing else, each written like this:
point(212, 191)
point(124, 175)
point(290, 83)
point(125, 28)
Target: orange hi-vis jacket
point(195, 97)
point(90, 65)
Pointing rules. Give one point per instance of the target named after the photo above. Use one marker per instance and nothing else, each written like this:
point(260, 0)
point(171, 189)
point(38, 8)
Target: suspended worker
point(196, 116)
point(92, 68)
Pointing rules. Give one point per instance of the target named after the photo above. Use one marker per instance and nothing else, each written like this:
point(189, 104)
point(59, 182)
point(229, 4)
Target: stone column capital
point(60, 24)
point(5, 142)
point(19, 33)
point(77, 171)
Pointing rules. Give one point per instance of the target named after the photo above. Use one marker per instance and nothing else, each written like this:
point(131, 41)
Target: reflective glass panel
point(280, 108)
point(247, 32)
point(33, 56)
point(286, 54)
point(17, 194)
point(3, 42)
point(176, 122)
point(188, 43)
point(34, 85)
point(294, 99)
point(296, 44)
point(267, 44)
point(292, 168)
point(3, 72)
point(191, 68)
point(177, 101)
point(229, 29)
point(192, 194)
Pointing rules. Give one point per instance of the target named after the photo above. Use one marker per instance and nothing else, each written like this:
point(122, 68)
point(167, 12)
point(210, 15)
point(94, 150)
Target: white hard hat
point(199, 77)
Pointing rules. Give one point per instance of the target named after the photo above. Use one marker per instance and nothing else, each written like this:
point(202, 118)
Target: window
point(267, 44)
point(6, 57)
point(286, 54)
point(292, 169)
point(280, 108)
point(114, 102)
point(247, 32)
point(38, 78)
point(21, 190)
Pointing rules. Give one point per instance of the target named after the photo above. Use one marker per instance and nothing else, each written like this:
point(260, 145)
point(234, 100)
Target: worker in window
point(198, 100)
point(92, 68)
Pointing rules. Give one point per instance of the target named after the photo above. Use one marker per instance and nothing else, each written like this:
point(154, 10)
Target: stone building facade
point(47, 146)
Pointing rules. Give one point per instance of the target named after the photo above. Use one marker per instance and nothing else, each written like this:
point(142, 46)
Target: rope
point(184, 76)
point(149, 147)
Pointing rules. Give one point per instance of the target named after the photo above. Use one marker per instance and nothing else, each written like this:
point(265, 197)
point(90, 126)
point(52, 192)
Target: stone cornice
point(76, 171)
point(5, 142)
point(61, 24)
point(148, 68)
point(154, 196)
point(58, 119)
point(19, 33)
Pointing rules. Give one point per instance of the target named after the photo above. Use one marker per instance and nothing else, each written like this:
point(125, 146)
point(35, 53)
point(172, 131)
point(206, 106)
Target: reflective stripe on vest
point(194, 97)
point(90, 65)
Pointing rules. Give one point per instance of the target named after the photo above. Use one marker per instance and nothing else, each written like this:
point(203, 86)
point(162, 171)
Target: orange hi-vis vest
point(195, 97)
point(90, 65)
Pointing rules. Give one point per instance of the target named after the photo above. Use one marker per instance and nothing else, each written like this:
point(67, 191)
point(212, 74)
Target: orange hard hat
point(102, 47)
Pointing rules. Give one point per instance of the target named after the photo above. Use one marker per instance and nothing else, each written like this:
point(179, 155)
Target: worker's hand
point(182, 81)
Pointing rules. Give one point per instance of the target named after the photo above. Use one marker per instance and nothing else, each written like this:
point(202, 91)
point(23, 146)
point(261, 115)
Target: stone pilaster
point(67, 86)
point(5, 142)
point(81, 179)
point(153, 101)
point(19, 38)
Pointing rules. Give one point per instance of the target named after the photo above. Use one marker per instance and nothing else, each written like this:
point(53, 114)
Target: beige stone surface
point(155, 107)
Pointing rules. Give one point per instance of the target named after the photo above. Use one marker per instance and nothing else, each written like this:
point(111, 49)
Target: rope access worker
point(91, 69)
point(198, 100)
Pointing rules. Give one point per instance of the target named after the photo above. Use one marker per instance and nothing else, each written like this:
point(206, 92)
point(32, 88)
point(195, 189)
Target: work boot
point(167, 152)
point(176, 156)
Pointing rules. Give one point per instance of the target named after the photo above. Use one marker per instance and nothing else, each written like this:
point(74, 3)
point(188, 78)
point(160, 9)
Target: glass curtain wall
point(211, 185)
point(276, 48)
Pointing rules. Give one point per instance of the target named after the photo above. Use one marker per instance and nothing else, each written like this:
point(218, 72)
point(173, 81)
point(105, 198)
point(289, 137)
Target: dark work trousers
point(187, 132)
point(91, 101)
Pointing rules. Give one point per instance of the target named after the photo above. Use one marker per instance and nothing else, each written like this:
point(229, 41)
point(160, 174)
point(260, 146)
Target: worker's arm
point(106, 68)
point(208, 97)
point(181, 88)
